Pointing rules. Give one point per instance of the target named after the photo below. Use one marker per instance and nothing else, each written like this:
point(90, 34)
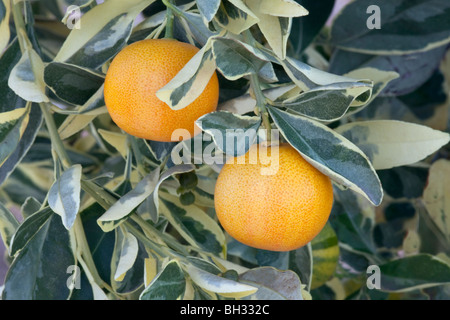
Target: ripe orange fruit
point(277, 207)
point(137, 73)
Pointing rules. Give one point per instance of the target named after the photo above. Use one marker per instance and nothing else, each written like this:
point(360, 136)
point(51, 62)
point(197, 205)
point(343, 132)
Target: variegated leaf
point(235, 16)
point(64, 195)
point(436, 195)
point(194, 225)
point(5, 12)
point(169, 284)
point(8, 226)
point(27, 76)
point(232, 133)
point(282, 8)
point(127, 203)
point(208, 8)
point(391, 143)
point(276, 29)
point(125, 253)
point(330, 153)
point(190, 82)
point(12, 126)
point(222, 286)
point(236, 59)
point(110, 25)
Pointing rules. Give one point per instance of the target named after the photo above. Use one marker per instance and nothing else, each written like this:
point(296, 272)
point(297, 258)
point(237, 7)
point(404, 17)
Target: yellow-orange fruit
point(137, 73)
point(271, 198)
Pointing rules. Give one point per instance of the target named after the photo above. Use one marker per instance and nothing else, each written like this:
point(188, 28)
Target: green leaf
point(64, 195)
point(223, 286)
point(127, 203)
point(353, 222)
point(413, 69)
point(381, 139)
point(208, 8)
point(12, 127)
point(414, 272)
point(190, 82)
point(104, 31)
point(273, 284)
point(305, 29)
point(233, 134)
point(194, 225)
point(169, 284)
point(39, 271)
point(330, 153)
point(406, 26)
point(8, 226)
point(71, 83)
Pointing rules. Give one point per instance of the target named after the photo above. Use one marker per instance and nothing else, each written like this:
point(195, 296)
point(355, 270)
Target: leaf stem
point(258, 95)
point(170, 19)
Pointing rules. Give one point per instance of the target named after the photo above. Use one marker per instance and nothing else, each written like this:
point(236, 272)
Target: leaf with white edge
point(169, 284)
point(436, 195)
point(73, 84)
point(276, 29)
point(330, 153)
point(64, 195)
point(29, 228)
point(379, 78)
point(307, 78)
point(273, 284)
point(406, 26)
point(391, 143)
point(117, 140)
point(235, 16)
point(324, 103)
point(282, 8)
point(127, 203)
point(12, 126)
point(194, 225)
point(190, 82)
point(222, 286)
point(104, 31)
point(27, 77)
point(233, 134)
point(5, 12)
point(47, 255)
point(236, 59)
point(183, 168)
point(414, 272)
point(208, 8)
point(26, 142)
point(126, 252)
point(74, 124)
point(8, 225)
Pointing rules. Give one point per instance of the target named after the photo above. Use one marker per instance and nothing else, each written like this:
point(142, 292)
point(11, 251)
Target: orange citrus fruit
point(136, 73)
point(271, 198)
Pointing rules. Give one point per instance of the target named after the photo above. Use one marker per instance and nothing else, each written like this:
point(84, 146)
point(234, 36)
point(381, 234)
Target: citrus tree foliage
point(89, 212)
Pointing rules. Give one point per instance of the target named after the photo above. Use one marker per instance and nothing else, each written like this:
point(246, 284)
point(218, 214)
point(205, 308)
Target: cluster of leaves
point(367, 107)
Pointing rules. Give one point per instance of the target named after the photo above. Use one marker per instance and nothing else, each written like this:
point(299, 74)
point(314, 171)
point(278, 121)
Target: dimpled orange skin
point(281, 211)
point(135, 75)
